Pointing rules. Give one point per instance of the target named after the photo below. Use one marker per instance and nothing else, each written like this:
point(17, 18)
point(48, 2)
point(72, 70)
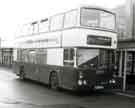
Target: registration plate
point(99, 87)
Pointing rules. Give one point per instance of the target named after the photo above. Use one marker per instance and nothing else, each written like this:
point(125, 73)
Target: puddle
point(63, 106)
point(7, 102)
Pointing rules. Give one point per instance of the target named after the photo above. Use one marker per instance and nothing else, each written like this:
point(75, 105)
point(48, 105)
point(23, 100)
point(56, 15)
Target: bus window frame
point(42, 22)
point(96, 27)
point(50, 22)
point(74, 58)
point(35, 27)
point(76, 17)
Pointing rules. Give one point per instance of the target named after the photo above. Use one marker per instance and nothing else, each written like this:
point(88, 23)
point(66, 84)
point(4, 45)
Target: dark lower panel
point(41, 73)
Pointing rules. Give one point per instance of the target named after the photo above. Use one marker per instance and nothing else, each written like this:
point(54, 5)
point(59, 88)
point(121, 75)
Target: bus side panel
point(31, 71)
point(16, 67)
point(45, 72)
point(40, 73)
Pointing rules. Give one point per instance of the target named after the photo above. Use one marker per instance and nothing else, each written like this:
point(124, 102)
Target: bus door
point(68, 68)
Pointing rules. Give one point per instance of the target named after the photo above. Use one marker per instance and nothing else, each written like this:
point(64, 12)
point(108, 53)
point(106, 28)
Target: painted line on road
point(125, 94)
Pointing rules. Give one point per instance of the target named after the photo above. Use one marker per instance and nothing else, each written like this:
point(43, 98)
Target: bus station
point(126, 51)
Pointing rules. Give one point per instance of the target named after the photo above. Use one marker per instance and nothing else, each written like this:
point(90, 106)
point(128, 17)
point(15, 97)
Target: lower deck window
point(35, 56)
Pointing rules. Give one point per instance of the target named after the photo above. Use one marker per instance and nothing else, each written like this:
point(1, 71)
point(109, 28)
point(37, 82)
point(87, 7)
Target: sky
point(14, 13)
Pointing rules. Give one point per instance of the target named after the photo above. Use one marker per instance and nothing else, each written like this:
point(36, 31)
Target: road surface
point(15, 93)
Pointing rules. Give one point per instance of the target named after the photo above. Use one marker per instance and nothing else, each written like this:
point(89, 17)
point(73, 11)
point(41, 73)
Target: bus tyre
point(21, 75)
point(54, 82)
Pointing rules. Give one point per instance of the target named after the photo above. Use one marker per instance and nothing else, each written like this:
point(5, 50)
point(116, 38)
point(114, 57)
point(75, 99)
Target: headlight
point(84, 82)
point(80, 82)
point(112, 81)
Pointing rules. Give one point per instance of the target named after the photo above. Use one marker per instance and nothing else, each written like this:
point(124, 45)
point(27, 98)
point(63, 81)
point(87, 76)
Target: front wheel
point(54, 82)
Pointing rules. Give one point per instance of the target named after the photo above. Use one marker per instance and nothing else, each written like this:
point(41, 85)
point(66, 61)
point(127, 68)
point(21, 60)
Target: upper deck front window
point(97, 18)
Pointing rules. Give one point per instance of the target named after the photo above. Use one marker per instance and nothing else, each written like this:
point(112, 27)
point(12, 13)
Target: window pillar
point(120, 64)
point(125, 71)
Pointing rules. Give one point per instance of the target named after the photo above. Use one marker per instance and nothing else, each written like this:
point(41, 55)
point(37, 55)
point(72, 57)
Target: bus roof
point(79, 7)
point(97, 7)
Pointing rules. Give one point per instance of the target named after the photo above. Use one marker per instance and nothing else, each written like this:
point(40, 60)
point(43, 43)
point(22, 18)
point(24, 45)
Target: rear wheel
point(54, 82)
point(21, 74)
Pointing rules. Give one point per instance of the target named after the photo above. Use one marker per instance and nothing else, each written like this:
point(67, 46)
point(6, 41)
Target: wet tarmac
point(15, 93)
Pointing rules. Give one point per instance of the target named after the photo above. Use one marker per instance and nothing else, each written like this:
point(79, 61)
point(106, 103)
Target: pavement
point(16, 93)
point(127, 93)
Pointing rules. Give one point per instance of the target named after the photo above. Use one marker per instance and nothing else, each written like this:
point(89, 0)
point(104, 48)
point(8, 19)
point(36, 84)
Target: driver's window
point(69, 57)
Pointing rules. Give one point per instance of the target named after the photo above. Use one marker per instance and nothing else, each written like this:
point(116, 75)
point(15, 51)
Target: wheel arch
point(58, 75)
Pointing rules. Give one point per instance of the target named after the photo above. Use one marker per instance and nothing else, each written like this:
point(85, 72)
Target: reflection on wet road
point(15, 93)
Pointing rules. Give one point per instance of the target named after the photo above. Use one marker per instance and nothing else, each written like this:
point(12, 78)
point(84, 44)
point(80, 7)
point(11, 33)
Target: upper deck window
point(97, 18)
point(44, 25)
point(70, 19)
point(35, 27)
point(56, 22)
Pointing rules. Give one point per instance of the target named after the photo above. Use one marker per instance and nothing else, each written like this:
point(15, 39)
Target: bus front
point(95, 60)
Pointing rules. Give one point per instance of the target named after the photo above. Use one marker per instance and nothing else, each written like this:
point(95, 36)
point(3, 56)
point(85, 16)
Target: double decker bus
point(72, 50)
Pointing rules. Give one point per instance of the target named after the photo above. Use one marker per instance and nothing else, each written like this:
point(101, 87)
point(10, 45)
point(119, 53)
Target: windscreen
point(94, 57)
point(87, 55)
point(97, 18)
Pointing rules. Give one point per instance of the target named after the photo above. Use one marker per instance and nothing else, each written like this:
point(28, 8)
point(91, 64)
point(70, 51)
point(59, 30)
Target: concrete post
point(124, 74)
point(120, 64)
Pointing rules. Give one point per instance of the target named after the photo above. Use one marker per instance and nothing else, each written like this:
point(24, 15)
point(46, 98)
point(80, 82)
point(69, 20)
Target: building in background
point(6, 53)
point(126, 43)
point(0, 42)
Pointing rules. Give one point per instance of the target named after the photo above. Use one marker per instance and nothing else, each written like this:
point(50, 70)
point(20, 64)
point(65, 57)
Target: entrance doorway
point(131, 70)
point(126, 69)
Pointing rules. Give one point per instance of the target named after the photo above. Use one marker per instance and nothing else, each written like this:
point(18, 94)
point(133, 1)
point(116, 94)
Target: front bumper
point(108, 84)
point(85, 85)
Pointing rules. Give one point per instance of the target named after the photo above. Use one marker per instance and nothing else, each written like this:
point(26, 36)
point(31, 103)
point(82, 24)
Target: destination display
point(98, 40)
